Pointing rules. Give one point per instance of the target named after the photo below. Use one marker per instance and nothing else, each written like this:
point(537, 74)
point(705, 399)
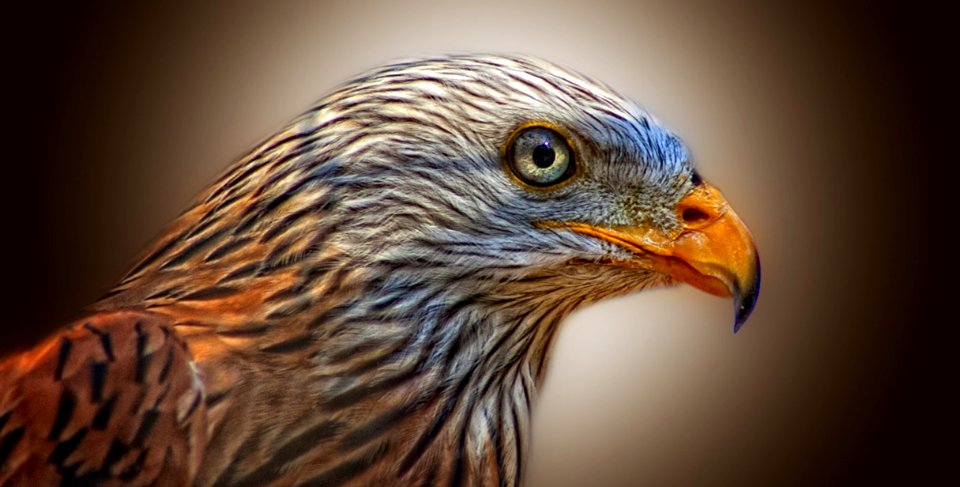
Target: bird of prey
point(369, 296)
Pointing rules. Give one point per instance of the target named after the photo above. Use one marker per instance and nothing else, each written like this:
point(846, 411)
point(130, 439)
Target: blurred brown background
point(819, 122)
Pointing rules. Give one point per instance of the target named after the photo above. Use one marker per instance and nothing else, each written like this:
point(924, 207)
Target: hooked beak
point(713, 250)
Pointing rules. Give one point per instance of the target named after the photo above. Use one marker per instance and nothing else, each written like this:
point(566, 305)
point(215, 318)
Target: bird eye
point(540, 156)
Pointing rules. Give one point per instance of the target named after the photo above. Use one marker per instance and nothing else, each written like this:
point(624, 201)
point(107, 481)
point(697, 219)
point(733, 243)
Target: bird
point(370, 296)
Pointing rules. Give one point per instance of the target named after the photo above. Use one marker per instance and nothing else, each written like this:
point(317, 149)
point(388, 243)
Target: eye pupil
point(543, 156)
point(539, 156)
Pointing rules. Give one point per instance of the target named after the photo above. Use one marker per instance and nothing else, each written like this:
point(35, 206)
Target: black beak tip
point(745, 299)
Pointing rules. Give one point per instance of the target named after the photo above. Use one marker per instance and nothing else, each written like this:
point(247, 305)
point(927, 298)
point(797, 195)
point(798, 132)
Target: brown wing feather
point(113, 399)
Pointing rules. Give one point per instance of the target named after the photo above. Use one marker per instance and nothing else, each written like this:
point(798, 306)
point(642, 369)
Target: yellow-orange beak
point(713, 251)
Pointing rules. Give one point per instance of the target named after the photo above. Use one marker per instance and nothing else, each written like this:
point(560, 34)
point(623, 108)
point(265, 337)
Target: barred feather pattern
point(368, 296)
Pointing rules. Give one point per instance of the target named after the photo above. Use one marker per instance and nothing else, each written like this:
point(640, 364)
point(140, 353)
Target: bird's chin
point(674, 270)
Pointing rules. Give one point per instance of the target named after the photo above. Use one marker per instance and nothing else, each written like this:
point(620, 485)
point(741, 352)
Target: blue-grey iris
point(540, 156)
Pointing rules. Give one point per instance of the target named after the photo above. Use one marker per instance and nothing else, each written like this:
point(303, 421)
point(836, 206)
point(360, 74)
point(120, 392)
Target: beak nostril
point(692, 216)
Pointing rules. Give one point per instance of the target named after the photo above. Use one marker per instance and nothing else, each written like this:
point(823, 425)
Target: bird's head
point(502, 179)
point(514, 169)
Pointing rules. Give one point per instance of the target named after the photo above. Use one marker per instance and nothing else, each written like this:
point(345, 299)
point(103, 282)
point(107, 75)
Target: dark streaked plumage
point(370, 295)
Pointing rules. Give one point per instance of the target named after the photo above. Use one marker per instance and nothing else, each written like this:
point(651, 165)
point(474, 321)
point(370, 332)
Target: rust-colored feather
point(114, 399)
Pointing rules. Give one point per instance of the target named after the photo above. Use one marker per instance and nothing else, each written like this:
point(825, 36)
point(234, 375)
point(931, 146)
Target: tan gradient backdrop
point(804, 116)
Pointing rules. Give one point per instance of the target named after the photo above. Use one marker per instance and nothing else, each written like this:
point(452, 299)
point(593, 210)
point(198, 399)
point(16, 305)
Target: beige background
point(809, 118)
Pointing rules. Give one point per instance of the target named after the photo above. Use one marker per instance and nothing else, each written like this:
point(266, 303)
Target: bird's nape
point(369, 296)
